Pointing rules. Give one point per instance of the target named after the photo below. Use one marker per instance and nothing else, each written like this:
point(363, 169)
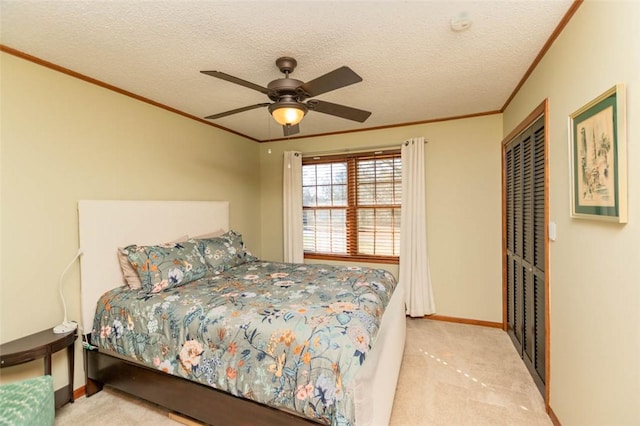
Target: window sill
point(345, 258)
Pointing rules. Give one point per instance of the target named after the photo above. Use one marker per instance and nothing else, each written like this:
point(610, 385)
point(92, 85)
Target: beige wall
point(462, 162)
point(594, 281)
point(64, 140)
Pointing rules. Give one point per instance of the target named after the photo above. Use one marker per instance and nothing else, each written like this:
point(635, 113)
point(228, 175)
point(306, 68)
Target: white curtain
point(292, 207)
point(414, 265)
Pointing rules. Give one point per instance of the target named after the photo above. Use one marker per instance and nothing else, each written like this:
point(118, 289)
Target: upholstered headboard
point(105, 225)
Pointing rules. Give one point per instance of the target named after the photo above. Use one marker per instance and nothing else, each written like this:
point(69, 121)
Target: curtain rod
point(358, 149)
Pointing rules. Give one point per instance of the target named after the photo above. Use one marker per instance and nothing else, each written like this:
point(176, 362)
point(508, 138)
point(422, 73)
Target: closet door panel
point(514, 312)
point(525, 248)
point(527, 199)
point(517, 201)
point(540, 329)
point(513, 323)
point(539, 185)
point(528, 344)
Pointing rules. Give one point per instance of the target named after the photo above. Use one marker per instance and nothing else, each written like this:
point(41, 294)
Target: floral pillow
point(224, 252)
point(166, 265)
point(129, 274)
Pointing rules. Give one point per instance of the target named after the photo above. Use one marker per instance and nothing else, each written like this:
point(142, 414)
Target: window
point(351, 206)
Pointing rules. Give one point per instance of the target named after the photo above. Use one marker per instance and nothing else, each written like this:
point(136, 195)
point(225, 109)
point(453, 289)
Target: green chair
point(27, 403)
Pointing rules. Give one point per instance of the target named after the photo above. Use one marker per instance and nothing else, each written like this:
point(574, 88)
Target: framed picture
point(598, 152)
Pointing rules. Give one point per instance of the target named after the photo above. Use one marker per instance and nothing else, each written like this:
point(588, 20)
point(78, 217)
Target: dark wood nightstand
point(42, 345)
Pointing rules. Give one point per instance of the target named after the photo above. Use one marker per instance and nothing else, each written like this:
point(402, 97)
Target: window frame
point(352, 206)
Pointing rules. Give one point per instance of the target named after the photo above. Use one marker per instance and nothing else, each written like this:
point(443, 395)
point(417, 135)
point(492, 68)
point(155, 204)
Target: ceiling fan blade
point(237, 110)
point(291, 130)
point(341, 77)
point(338, 110)
point(236, 80)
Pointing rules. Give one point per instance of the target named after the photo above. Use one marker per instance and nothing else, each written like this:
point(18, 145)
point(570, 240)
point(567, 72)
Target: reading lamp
point(66, 325)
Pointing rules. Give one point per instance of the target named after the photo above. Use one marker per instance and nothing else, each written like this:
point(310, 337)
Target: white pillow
point(213, 234)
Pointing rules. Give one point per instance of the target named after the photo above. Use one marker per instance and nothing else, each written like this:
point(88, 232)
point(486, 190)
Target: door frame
point(540, 110)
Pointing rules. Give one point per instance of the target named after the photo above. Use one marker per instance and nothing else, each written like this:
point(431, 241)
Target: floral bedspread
point(290, 336)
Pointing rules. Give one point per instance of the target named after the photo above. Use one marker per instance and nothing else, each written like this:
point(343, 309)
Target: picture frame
point(598, 158)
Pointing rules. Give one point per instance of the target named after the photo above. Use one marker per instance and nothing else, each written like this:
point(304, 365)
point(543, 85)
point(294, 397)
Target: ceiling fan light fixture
point(287, 112)
point(289, 95)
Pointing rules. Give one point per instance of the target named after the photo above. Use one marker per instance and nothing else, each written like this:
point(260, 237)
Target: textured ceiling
point(414, 66)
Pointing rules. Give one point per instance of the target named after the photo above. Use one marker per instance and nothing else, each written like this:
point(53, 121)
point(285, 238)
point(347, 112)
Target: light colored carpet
point(456, 374)
point(452, 374)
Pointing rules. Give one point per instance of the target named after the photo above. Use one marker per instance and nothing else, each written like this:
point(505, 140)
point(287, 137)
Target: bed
point(250, 342)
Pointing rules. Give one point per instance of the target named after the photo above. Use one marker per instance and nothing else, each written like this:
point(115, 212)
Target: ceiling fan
point(288, 95)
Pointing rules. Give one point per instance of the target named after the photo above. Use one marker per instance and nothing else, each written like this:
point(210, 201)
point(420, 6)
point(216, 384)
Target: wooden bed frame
point(197, 401)
point(153, 222)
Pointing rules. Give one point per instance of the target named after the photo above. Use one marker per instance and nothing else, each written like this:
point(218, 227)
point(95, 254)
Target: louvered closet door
point(514, 243)
point(525, 246)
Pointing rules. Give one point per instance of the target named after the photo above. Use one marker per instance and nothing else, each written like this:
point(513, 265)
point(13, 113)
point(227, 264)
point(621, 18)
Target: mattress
point(291, 336)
